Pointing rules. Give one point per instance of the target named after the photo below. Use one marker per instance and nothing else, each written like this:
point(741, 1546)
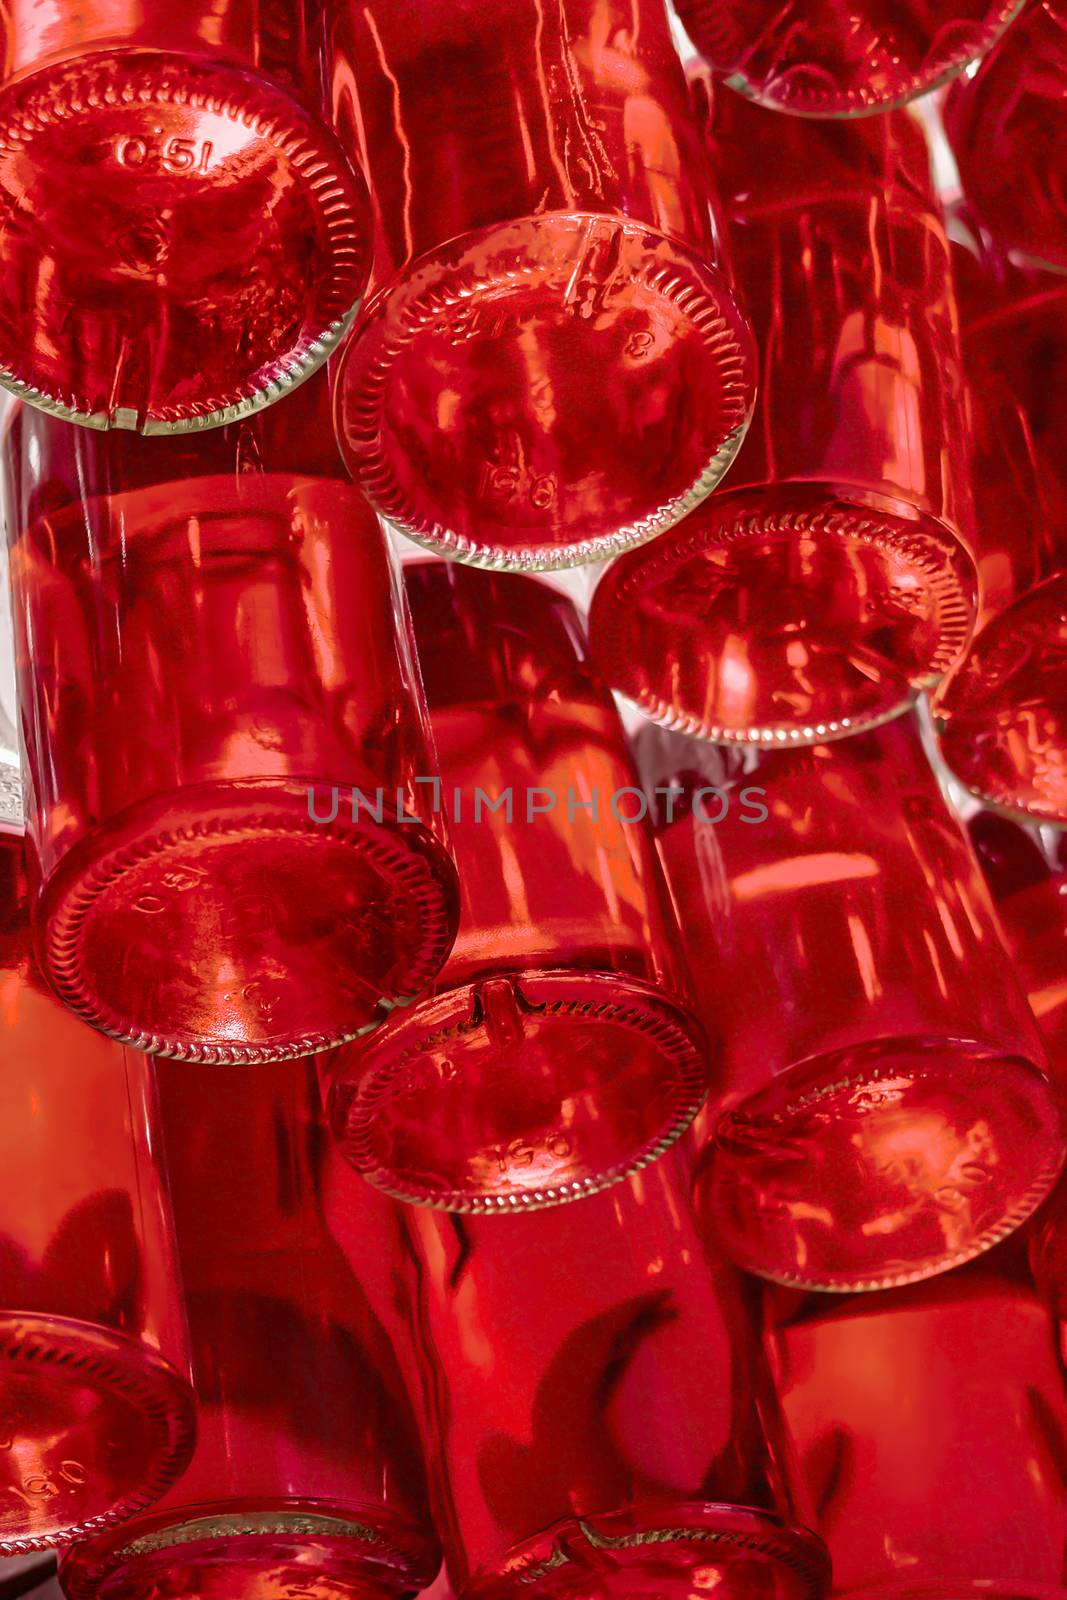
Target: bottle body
point(829, 580)
point(189, 137)
point(1002, 125)
point(215, 673)
point(94, 1360)
point(886, 1114)
point(557, 1049)
point(927, 1424)
point(1000, 714)
point(814, 60)
point(599, 1420)
point(551, 365)
point(305, 1456)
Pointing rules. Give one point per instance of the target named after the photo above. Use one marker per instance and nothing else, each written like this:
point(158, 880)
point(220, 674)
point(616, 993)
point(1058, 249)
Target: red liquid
point(306, 1479)
point(552, 366)
point(881, 1116)
point(819, 58)
point(204, 663)
point(594, 1399)
point(1005, 128)
point(929, 1429)
point(181, 241)
point(820, 591)
point(1002, 716)
point(555, 1052)
point(96, 1421)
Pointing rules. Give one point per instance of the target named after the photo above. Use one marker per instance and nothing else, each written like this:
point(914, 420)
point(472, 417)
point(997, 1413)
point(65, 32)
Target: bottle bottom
point(94, 1428)
point(222, 923)
point(1002, 717)
point(665, 1552)
point(783, 615)
point(810, 61)
point(232, 1550)
point(518, 1091)
point(881, 1165)
point(196, 244)
point(546, 392)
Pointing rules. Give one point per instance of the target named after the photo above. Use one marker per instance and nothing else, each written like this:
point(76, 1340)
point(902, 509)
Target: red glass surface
point(827, 583)
point(1005, 126)
point(181, 240)
point(1026, 870)
point(555, 1052)
point(821, 58)
point(222, 726)
point(552, 365)
point(1002, 716)
point(597, 1415)
point(306, 1480)
point(96, 1416)
point(930, 1433)
point(882, 1115)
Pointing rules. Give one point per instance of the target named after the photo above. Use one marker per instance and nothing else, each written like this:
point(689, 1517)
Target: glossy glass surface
point(1026, 870)
point(818, 58)
point(96, 1416)
point(597, 1415)
point(1002, 716)
point(881, 1117)
point(1005, 128)
point(827, 582)
point(552, 366)
point(555, 1052)
point(306, 1480)
point(180, 239)
point(222, 727)
point(929, 1431)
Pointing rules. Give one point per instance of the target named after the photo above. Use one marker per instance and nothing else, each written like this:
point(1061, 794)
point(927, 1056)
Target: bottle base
point(519, 1091)
point(202, 239)
point(882, 1165)
point(546, 392)
point(222, 923)
point(664, 1552)
point(1002, 718)
point(94, 1429)
point(880, 71)
point(231, 1550)
point(783, 616)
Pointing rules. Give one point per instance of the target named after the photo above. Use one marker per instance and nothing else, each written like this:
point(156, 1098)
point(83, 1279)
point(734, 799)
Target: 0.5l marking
point(175, 155)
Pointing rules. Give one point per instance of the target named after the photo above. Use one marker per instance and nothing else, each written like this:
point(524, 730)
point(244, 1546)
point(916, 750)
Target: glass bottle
point(1001, 715)
point(557, 1050)
point(883, 1112)
point(829, 581)
point(817, 58)
point(307, 1476)
point(181, 239)
point(551, 365)
point(96, 1408)
point(224, 735)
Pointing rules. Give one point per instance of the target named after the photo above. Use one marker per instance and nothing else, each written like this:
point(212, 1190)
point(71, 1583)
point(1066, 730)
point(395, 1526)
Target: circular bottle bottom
point(883, 1164)
point(809, 61)
point(1002, 717)
point(221, 923)
point(783, 615)
point(289, 1550)
point(518, 1091)
point(95, 1427)
point(664, 1552)
point(546, 392)
point(195, 247)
